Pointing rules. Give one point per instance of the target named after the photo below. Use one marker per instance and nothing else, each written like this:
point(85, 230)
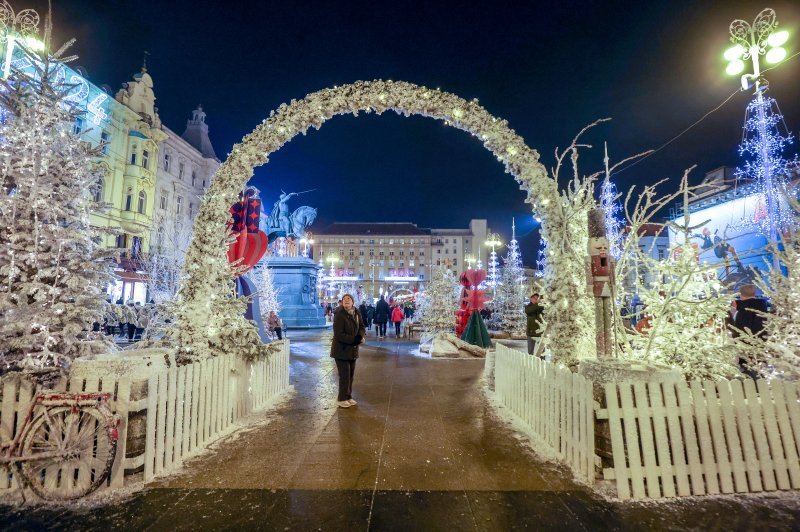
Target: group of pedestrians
point(127, 320)
point(382, 314)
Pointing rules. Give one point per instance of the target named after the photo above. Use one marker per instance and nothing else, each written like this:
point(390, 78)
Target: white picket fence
point(556, 405)
point(185, 408)
point(678, 439)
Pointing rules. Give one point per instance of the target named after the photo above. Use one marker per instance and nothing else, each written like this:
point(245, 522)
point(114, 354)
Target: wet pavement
point(423, 450)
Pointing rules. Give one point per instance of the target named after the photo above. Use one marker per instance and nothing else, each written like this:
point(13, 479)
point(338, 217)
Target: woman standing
point(397, 319)
point(348, 333)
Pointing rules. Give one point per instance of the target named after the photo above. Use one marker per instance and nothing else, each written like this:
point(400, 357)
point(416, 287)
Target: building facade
point(186, 165)
point(396, 258)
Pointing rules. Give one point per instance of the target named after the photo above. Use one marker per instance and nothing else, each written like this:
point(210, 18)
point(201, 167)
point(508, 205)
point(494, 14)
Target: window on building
point(391, 241)
point(360, 241)
point(352, 252)
point(163, 203)
point(438, 262)
point(160, 236)
point(391, 253)
point(438, 251)
point(191, 210)
point(391, 263)
point(372, 241)
point(133, 155)
point(446, 240)
point(662, 253)
point(166, 161)
point(194, 178)
point(99, 190)
point(129, 199)
point(142, 203)
point(136, 246)
point(361, 253)
point(204, 183)
point(180, 170)
point(178, 205)
point(121, 240)
point(380, 241)
point(421, 253)
point(145, 159)
point(77, 128)
point(380, 253)
point(455, 262)
point(105, 142)
point(372, 253)
point(402, 252)
point(411, 241)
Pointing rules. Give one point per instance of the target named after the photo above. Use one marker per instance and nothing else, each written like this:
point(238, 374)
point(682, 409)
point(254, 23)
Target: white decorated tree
point(777, 351)
point(511, 293)
point(685, 303)
point(440, 302)
point(53, 268)
point(268, 300)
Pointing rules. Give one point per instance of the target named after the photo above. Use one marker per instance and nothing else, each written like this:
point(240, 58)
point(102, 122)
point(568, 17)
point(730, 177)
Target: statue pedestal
point(295, 280)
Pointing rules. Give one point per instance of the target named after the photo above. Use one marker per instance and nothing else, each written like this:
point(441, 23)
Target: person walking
point(382, 314)
point(534, 311)
point(749, 320)
point(348, 334)
point(397, 319)
point(370, 315)
point(130, 319)
point(362, 308)
point(111, 319)
point(142, 319)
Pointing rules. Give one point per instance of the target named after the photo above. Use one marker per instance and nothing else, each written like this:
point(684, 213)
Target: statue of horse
point(302, 217)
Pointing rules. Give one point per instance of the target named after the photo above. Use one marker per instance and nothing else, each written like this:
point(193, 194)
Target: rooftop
point(374, 228)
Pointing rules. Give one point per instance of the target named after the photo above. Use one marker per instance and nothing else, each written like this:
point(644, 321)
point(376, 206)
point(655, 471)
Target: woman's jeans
point(347, 368)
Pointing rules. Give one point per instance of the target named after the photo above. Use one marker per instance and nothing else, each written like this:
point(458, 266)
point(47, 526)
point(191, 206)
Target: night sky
point(548, 68)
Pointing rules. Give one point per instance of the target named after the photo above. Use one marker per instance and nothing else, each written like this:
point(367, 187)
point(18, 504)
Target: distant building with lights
point(396, 258)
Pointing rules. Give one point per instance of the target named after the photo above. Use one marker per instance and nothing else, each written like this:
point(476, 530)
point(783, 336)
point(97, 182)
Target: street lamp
point(493, 240)
point(749, 43)
point(469, 259)
point(752, 41)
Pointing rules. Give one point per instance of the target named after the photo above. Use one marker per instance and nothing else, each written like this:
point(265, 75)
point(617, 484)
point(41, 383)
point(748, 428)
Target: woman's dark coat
point(382, 311)
point(346, 328)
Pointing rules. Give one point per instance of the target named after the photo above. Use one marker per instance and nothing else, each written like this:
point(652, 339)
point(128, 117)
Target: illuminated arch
point(204, 292)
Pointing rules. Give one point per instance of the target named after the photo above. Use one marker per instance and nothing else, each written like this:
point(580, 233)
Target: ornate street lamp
point(469, 259)
point(768, 168)
point(493, 241)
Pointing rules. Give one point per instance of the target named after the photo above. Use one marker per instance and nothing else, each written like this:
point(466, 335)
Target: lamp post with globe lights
point(493, 241)
point(768, 169)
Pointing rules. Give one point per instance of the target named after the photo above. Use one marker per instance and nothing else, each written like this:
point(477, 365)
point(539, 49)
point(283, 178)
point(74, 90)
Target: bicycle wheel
point(80, 448)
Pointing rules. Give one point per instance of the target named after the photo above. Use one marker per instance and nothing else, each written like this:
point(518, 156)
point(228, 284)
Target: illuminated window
point(105, 141)
point(129, 199)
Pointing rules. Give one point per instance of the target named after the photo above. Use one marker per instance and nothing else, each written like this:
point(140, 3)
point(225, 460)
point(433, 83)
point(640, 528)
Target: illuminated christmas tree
point(511, 292)
point(766, 167)
point(54, 271)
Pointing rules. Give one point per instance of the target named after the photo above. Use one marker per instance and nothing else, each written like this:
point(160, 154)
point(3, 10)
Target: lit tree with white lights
point(436, 310)
point(53, 270)
point(609, 203)
point(268, 299)
point(511, 292)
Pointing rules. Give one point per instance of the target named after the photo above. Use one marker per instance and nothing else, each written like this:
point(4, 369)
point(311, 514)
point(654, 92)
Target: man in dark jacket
point(362, 308)
point(534, 312)
point(381, 317)
point(370, 314)
point(749, 318)
point(348, 333)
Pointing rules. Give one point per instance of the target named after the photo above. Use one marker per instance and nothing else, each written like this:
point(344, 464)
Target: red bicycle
point(66, 447)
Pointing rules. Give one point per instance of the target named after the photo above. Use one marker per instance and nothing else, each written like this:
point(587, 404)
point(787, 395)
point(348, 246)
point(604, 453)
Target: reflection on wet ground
point(421, 451)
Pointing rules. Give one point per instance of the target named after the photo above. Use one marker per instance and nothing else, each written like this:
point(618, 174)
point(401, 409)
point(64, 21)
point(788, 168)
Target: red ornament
point(249, 247)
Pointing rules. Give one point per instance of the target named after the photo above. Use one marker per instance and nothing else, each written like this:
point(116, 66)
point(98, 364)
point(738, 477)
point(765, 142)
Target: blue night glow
point(762, 147)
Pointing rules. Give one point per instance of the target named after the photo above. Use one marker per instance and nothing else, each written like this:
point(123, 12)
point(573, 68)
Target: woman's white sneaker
point(343, 404)
point(352, 402)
